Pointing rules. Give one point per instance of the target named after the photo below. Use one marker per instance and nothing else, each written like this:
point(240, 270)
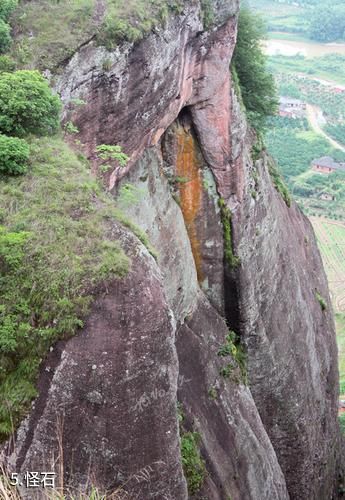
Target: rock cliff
point(227, 259)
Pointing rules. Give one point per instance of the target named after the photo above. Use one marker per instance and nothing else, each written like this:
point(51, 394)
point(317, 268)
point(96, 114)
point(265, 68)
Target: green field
point(331, 240)
point(294, 145)
point(292, 37)
point(313, 92)
point(326, 67)
point(340, 325)
point(281, 17)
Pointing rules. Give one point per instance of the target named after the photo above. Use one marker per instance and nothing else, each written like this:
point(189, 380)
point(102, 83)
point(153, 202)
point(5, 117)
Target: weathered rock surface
point(112, 389)
point(106, 413)
point(239, 456)
point(292, 352)
point(134, 101)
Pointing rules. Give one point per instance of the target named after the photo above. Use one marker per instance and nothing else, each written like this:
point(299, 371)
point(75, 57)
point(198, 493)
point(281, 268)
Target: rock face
point(106, 413)
point(292, 352)
point(107, 409)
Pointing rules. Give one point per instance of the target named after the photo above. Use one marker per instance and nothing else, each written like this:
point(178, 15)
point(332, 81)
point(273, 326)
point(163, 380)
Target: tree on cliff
point(249, 62)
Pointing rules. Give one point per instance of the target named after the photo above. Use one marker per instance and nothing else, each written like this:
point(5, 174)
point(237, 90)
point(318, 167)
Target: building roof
point(328, 162)
point(289, 100)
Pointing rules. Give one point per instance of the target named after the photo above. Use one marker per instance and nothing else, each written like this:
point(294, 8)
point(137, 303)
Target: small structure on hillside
point(340, 89)
point(327, 196)
point(327, 165)
point(292, 108)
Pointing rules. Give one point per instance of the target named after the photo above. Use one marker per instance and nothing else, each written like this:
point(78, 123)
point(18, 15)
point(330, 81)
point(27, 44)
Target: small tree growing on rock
point(107, 152)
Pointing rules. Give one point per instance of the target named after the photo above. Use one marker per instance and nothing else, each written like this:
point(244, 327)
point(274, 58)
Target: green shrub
point(279, 183)
point(27, 104)
point(14, 155)
point(193, 465)
point(233, 347)
point(7, 64)
point(226, 371)
point(212, 392)
point(70, 128)
point(5, 36)
point(207, 13)
point(132, 21)
point(108, 153)
point(6, 8)
point(321, 300)
point(115, 30)
point(228, 348)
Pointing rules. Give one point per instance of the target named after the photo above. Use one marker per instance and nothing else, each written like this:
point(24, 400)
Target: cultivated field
point(340, 325)
point(331, 239)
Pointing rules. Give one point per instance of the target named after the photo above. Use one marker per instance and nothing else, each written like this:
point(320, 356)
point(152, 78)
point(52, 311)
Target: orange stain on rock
point(190, 188)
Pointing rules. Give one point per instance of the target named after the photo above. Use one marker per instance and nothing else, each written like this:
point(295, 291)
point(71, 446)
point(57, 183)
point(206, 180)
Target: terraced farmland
point(340, 325)
point(331, 239)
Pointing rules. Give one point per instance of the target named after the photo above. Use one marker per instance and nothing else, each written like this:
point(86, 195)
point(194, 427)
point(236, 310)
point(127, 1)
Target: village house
point(291, 108)
point(327, 165)
point(338, 90)
point(327, 197)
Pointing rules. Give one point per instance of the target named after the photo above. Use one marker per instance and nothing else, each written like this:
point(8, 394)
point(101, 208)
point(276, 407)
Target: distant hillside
point(321, 21)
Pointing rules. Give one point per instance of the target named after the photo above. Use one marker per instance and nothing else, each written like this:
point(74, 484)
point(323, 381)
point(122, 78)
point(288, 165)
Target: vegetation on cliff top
point(50, 39)
point(257, 85)
point(53, 253)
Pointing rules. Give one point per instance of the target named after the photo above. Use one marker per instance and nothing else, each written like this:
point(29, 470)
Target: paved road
point(312, 113)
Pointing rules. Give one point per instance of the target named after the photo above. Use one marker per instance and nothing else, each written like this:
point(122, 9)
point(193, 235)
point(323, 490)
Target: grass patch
point(233, 347)
point(132, 20)
point(47, 40)
point(54, 253)
point(139, 233)
point(193, 465)
point(208, 13)
point(44, 41)
point(279, 183)
point(321, 301)
point(213, 393)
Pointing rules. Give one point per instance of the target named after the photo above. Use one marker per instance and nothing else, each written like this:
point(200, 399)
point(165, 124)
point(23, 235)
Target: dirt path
point(312, 112)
